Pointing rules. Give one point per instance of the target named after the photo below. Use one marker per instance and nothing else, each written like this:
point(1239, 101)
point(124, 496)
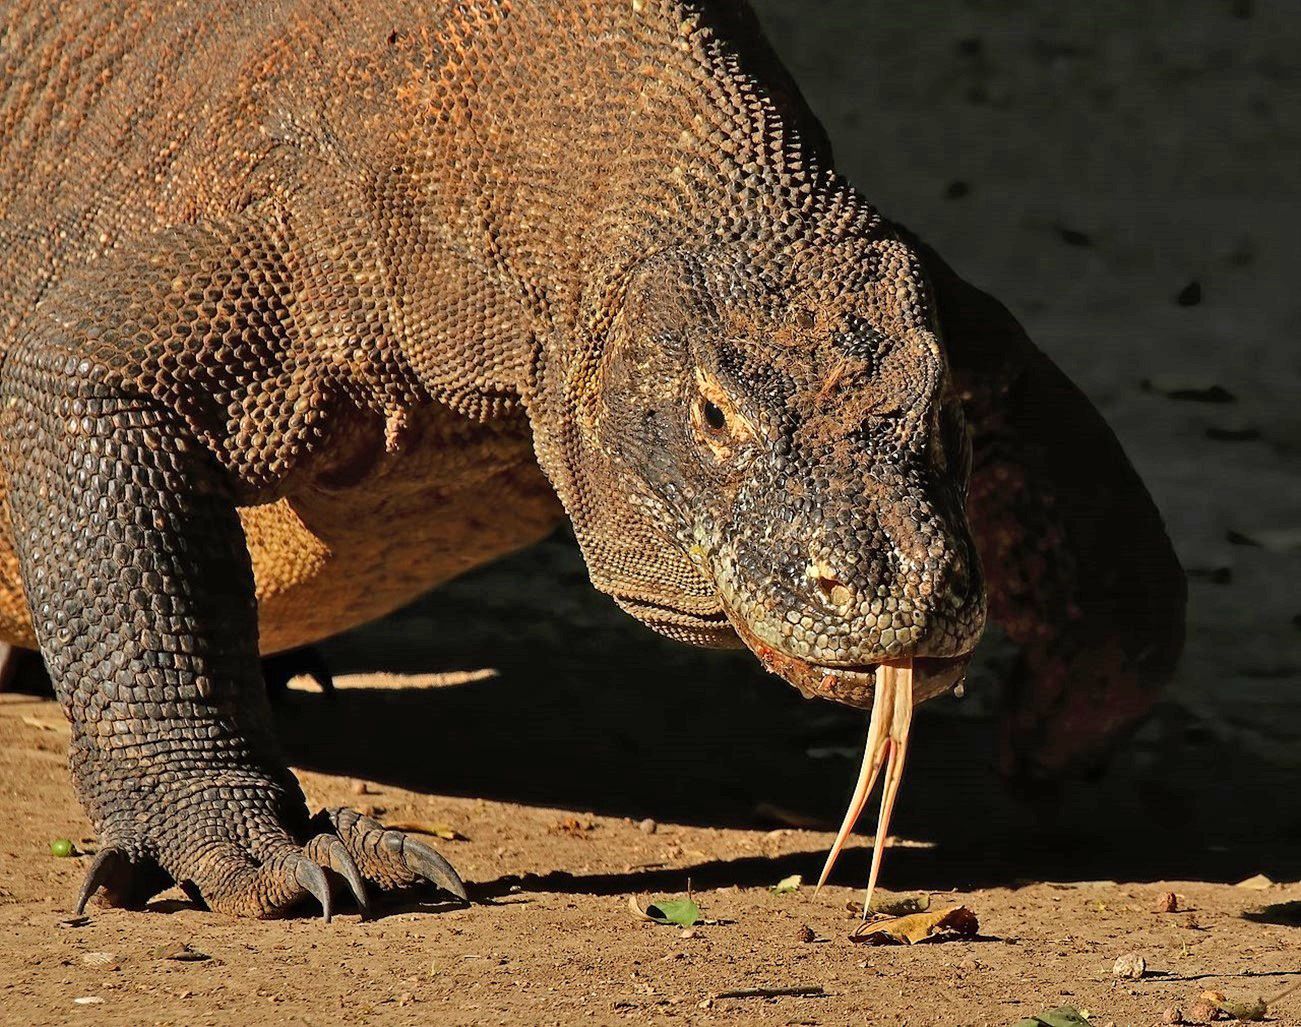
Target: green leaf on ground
point(788, 884)
point(682, 912)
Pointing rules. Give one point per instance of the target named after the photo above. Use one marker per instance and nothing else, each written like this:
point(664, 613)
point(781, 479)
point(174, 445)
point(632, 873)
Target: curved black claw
point(426, 861)
point(126, 881)
point(279, 669)
point(330, 851)
point(389, 857)
point(313, 878)
point(109, 868)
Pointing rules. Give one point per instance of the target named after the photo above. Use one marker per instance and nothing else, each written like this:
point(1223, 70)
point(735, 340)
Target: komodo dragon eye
point(717, 423)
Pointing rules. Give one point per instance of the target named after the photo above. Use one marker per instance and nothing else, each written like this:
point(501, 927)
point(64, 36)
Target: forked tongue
point(887, 744)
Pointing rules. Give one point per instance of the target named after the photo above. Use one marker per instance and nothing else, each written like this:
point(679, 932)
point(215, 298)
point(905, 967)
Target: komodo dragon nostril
point(834, 591)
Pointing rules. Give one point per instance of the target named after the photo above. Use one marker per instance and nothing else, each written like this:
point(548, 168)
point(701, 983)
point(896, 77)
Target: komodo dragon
point(306, 306)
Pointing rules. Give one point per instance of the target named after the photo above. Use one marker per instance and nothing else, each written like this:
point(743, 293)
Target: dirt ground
point(1086, 163)
point(551, 939)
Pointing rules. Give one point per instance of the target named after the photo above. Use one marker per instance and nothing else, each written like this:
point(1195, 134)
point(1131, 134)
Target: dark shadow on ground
point(591, 711)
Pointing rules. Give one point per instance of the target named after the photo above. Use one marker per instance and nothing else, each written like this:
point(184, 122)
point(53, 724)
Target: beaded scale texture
point(307, 307)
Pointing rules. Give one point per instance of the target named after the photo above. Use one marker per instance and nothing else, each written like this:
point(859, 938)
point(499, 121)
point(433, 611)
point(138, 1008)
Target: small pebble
point(1167, 902)
point(1190, 295)
point(648, 826)
point(805, 933)
point(179, 953)
point(360, 788)
point(689, 932)
point(104, 960)
point(1172, 1014)
point(1073, 237)
point(1202, 1012)
point(88, 1000)
point(1131, 965)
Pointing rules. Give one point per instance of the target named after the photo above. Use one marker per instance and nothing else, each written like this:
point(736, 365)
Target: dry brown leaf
point(438, 830)
point(46, 725)
point(956, 921)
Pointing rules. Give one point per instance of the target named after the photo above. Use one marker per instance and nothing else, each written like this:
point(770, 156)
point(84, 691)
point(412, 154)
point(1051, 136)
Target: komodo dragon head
point(767, 449)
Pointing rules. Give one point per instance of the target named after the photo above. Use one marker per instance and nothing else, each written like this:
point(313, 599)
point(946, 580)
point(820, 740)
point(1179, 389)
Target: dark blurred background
point(1124, 177)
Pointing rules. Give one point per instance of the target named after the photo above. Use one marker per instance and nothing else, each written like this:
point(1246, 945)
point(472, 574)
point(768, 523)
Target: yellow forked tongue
point(887, 744)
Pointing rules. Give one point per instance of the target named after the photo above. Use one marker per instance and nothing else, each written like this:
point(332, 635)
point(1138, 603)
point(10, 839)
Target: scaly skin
point(292, 293)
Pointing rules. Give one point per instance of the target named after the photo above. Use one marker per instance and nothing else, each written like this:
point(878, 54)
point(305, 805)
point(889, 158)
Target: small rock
point(1190, 295)
point(805, 933)
point(1233, 433)
point(970, 964)
point(957, 189)
point(705, 1003)
point(88, 1000)
point(1073, 237)
point(104, 960)
point(360, 788)
point(1188, 390)
point(1202, 1012)
point(180, 953)
point(1131, 965)
point(1167, 902)
point(1172, 1014)
point(689, 932)
point(73, 921)
point(648, 826)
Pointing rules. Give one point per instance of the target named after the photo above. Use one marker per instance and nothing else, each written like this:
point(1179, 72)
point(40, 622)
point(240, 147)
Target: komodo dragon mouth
point(853, 685)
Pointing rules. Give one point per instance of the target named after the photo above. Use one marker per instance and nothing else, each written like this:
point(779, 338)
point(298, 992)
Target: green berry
point(61, 847)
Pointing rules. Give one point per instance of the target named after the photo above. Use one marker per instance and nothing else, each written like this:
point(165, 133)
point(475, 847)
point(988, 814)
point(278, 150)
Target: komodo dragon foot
point(227, 878)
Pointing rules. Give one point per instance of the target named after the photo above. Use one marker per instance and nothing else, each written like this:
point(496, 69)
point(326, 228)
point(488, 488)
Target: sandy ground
point(1167, 137)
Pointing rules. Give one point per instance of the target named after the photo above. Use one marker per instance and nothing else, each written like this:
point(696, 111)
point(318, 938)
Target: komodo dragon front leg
point(142, 401)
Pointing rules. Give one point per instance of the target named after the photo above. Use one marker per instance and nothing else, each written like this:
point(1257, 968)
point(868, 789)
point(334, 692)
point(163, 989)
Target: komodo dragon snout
point(791, 420)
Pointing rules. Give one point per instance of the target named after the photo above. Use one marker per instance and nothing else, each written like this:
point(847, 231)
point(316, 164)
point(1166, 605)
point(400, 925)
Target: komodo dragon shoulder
point(307, 306)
